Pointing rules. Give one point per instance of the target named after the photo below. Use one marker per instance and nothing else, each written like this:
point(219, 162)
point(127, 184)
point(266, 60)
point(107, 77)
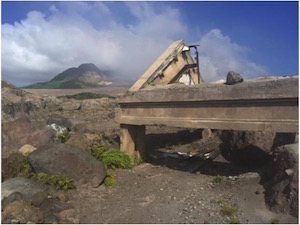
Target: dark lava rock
point(21, 212)
point(282, 189)
point(233, 78)
point(25, 186)
point(63, 159)
point(59, 120)
point(50, 209)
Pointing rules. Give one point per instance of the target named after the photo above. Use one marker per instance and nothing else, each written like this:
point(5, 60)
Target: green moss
point(116, 159)
point(56, 181)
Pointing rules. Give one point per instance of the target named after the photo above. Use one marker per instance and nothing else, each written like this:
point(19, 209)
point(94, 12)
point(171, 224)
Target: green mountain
point(85, 76)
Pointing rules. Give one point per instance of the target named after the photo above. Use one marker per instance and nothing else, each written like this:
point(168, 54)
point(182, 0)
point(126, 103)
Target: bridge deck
point(259, 104)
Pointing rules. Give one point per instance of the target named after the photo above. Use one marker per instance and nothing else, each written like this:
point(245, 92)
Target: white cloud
point(45, 46)
point(39, 47)
point(218, 55)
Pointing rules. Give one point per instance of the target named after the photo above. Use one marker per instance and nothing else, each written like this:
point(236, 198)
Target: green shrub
point(20, 168)
point(56, 181)
point(97, 151)
point(115, 159)
point(110, 180)
point(64, 136)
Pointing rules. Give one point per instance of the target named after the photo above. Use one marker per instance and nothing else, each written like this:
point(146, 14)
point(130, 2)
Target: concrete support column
point(132, 139)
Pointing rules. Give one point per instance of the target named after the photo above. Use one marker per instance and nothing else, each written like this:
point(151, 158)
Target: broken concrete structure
point(262, 104)
point(174, 63)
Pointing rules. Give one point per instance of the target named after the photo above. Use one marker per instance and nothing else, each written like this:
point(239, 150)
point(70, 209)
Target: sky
point(42, 39)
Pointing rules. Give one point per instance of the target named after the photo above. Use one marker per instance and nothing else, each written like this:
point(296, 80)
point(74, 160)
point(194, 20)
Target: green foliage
point(64, 136)
point(218, 179)
point(20, 168)
point(115, 159)
point(97, 151)
point(87, 95)
point(110, 180)
point(138, 160)
point(56, 181)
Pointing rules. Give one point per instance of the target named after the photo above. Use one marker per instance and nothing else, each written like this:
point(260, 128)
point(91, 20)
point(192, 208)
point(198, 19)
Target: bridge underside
point(258, 105)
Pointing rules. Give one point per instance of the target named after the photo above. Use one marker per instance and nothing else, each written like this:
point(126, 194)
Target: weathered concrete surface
point(259, 105)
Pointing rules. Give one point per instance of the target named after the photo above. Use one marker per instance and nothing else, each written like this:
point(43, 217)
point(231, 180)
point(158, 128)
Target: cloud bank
point(44, 44)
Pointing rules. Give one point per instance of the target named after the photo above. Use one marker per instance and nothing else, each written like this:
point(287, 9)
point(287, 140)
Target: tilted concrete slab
point(168, 68)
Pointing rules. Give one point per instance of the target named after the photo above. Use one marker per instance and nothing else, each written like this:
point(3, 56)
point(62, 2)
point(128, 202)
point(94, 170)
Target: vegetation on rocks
point(56, 181)
point(20, 169)
point(24, 169)
point(64, 136)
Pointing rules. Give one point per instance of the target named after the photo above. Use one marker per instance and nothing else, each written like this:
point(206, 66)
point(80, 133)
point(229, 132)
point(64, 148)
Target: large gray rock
point(248, 148)
point(59, 120)
point(25, 186)
point(233, 78)
point(51, 208)
point(282, 190)
point(63, 159)
point(22, 131)
point(21, 212)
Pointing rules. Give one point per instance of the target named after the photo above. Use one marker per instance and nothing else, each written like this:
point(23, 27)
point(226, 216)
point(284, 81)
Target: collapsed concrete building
point(172, 93)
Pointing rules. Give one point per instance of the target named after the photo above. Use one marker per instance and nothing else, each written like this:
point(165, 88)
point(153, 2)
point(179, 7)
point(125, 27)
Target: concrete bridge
point(262, 104)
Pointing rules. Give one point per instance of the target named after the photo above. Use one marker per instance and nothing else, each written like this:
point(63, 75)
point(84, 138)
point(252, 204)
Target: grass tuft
point(56, 181)
point(20, 168)
point(110, 180)
point(115, 159)
point(218, 179)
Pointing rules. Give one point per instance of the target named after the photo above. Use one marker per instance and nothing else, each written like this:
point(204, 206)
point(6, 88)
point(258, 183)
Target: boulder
point(282, 189)
point(233, 78)
point(51, 103)
point(11, 198)
point(87, 141)
point(25, 186)
point(51, 208)
point(59, 120)
point(22, 131)
point(63, 159)
point(71, 105)
point(26, 149)
point(21, 212)
point(248, 148)
point(11, 165)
